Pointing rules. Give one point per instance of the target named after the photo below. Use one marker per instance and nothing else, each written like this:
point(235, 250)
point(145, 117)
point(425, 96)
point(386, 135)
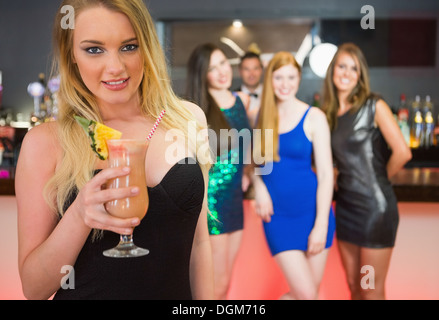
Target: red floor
point(412, 275)
point(413, 271)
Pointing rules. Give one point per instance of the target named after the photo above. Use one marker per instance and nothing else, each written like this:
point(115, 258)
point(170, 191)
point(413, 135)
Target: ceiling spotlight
point(237, 23)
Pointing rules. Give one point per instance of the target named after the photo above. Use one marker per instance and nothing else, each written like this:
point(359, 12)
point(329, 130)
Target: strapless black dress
point(167, 231)
point(366, 207)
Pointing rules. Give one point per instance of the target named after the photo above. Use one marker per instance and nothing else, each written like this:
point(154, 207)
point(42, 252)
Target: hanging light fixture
point(320, 58)
point(237, 23)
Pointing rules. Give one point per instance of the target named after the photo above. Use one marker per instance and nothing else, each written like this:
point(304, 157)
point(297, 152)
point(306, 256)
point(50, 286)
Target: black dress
point(167, 231)
point(366, 206)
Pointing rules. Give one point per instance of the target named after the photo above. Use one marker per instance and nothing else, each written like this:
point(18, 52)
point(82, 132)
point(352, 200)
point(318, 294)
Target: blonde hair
point(358, 95)
point(268, 114)
point(155, 91)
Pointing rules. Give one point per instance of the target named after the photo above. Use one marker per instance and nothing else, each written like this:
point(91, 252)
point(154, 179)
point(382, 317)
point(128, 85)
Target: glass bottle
point(416, 125)
point(1, 89)
point(417, 131)
point(428, 135)
point(316, 100)
point(428, 123)
point(403, 115)
point(436, 131)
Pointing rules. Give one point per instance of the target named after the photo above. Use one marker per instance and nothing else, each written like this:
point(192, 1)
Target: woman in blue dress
point(209, 80)
point(298, 220)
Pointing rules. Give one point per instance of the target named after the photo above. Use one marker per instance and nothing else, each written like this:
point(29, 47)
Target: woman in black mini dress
point(368, 149)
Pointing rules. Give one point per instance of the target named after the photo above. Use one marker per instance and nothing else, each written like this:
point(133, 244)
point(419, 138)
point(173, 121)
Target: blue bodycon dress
point(292, 186)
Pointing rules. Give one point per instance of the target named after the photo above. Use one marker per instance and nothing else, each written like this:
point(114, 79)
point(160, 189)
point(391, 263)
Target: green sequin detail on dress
point(224, 192)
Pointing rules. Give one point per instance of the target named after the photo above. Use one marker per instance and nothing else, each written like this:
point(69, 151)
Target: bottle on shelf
point(1, 89)
point(403, 115)
point(43, 101)
point(402, 102)
point(429, 138)
point(36, 91)
point(436, 131)
point(428, 105)
point(416, 106)
point(402, 118)
point(429, 130)
point(417, 124)
point(316, 100)
point(402, 105)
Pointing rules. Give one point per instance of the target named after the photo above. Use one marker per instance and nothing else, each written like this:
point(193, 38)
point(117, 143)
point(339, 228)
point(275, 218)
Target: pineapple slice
point(98, 134)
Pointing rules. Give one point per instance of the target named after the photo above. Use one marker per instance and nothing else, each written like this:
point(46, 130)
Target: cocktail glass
point(128, 153)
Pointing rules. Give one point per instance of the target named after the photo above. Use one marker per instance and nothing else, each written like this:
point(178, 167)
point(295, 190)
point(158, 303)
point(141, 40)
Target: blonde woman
point(293, 201)
point(113, 71)
point(368, 149)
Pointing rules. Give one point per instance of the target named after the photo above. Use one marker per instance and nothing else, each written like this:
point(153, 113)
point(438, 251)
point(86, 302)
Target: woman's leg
point(317, 264)
point(366, 270)
point(350, 258)
point(234, 245)
point(375, 264)
point(296, 268)
point(224, 250)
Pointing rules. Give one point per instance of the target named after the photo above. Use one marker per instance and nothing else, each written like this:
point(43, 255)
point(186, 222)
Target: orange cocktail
point(128, 153)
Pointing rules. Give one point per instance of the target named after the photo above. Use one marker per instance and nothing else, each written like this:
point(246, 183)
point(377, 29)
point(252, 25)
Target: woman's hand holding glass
point(91, 200)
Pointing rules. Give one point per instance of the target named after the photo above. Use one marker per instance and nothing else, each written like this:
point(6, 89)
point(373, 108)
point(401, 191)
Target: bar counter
point(410, 185)
point(417, 185)
point(7, 187)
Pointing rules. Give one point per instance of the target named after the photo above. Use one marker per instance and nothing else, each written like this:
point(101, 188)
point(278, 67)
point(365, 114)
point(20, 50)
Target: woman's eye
point(130, 47)
point(94, 50)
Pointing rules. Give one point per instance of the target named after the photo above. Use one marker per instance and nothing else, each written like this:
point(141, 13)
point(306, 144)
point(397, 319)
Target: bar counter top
point(417, 185)
point(7, 187)
point(410, 185)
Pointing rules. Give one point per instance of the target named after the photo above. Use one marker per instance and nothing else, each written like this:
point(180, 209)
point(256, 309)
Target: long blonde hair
point(358, 95)
point(268, 114)
point(155, 91)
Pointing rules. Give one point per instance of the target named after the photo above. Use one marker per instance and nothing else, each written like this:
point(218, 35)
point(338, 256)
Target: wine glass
point(128, 153)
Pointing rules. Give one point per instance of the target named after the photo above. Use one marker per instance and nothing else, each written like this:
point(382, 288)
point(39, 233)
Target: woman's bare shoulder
point(196, 110)
point(45, 135)
point(40, 145)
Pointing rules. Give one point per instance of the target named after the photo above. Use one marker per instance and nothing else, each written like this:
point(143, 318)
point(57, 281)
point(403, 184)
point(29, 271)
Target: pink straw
point(156, 124)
